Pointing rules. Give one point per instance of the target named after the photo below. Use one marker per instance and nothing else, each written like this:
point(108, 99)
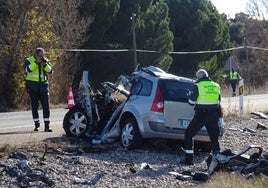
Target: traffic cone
point(70, 98)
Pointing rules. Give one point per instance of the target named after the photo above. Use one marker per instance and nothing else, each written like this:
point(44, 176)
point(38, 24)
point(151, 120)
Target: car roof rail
point(153, 71)
point(148, 72)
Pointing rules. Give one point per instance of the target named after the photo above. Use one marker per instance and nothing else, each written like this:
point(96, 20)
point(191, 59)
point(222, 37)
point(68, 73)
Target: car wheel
point(75, 122)
point(130, 134)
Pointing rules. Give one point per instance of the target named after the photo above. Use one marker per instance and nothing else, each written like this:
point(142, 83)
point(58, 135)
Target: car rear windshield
point(174, 90)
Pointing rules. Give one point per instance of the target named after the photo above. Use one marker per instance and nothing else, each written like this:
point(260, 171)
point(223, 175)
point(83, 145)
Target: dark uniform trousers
point(44, 99)
point(233, 85)
point(208, 118)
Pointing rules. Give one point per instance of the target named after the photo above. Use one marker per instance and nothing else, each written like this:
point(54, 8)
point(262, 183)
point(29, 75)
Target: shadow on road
point(18, 132)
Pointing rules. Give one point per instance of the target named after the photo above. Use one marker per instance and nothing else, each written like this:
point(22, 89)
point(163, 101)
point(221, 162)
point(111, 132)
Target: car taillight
point(158, 103)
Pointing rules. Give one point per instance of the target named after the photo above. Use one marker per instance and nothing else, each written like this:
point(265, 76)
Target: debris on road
point(180, 176)
point(260, 114)
point(186, 176)
point(235, 129)
point(249, 130)
point(145, 166)
point(24, 173)
point(72, 160)
point(248, 166)
point(93, 181)
point(261, 126)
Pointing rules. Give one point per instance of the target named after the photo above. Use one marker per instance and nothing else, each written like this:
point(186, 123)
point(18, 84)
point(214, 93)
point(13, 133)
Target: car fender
point(131, 111)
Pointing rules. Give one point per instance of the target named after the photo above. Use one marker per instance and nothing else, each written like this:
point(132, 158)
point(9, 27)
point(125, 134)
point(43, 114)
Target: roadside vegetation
point(227, 180)
point(162, 25)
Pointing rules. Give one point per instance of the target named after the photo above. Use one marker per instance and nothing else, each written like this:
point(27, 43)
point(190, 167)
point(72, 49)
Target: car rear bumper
point(159, 130)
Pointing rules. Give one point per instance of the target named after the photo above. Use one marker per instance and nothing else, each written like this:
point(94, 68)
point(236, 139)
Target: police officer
point(234, 78)
point(206, 98)
point(37, 67)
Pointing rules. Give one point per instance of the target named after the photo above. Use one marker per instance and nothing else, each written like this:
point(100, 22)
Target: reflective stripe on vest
point(37, 73)
point(209, 92)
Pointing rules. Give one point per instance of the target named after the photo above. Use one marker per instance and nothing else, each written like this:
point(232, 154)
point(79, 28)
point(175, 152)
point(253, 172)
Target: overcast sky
point(230, 7)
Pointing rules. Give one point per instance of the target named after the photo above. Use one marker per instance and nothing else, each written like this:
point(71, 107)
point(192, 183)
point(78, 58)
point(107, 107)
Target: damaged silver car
point(155, 105)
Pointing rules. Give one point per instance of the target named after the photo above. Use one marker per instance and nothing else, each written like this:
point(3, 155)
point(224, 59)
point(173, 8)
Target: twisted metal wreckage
point(99, 111)
point(103, 111)
point(18, 167)
point(255, 164)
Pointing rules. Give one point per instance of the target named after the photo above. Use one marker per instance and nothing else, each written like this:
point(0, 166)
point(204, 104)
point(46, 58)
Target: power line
point(153, 51)
point(211, 51)
point(258, 48)
point(94, 50)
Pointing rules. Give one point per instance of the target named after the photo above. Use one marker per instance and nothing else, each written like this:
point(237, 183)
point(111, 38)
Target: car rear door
point(177, 112)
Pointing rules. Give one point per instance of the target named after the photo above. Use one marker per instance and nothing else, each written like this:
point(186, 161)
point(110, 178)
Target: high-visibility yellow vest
point(37, 72)
point(209, 92)
point(234, 75)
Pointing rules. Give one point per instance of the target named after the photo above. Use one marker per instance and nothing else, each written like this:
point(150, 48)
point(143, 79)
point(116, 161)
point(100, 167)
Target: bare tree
point(258, 9)
point(70, 32)
point(254, 60)
point(13, 29)
point(26, 24)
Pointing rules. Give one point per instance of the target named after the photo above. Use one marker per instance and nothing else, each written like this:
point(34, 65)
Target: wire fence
point(172, 53)
point(154, 51)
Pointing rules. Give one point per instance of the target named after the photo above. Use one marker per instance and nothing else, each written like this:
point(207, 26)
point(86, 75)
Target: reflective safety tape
point(46, 119)
point(33, 75)
point(208, 103)
point(191, 101)
point(28, 70)
point(35, 119)
point(189, 151)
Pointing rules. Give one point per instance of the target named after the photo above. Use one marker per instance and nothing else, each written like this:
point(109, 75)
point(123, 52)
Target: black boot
point(36, 125)
point(47, 129)
point(188, 159)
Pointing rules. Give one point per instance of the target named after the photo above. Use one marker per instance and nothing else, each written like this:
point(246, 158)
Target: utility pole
point(248, 73)
point(134, 38)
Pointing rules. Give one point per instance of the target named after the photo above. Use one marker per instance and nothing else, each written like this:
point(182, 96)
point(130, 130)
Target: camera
point(43, 59)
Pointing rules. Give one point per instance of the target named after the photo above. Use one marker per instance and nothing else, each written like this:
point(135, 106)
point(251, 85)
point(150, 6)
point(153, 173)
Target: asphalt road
point(17, 127)
point(19, 119)
point(251, 103)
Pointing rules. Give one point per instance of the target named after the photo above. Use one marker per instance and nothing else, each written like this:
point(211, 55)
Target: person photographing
point(37, 67)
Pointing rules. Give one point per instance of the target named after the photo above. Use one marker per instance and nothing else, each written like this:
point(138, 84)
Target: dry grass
point(233, 108)
point(228, 180)
point(55, 143)
point(36, 149)
point(5, 148)
point(59, 105)
point(226, 90)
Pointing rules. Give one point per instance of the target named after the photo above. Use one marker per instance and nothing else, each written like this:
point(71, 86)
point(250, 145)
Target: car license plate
point(184, 123)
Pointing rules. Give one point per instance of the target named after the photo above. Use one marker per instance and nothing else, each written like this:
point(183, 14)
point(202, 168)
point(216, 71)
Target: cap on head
point(39, 50)
point(201, 73)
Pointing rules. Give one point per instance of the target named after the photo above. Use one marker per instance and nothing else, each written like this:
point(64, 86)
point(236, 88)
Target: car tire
point(76, 122)
point(130, 137)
